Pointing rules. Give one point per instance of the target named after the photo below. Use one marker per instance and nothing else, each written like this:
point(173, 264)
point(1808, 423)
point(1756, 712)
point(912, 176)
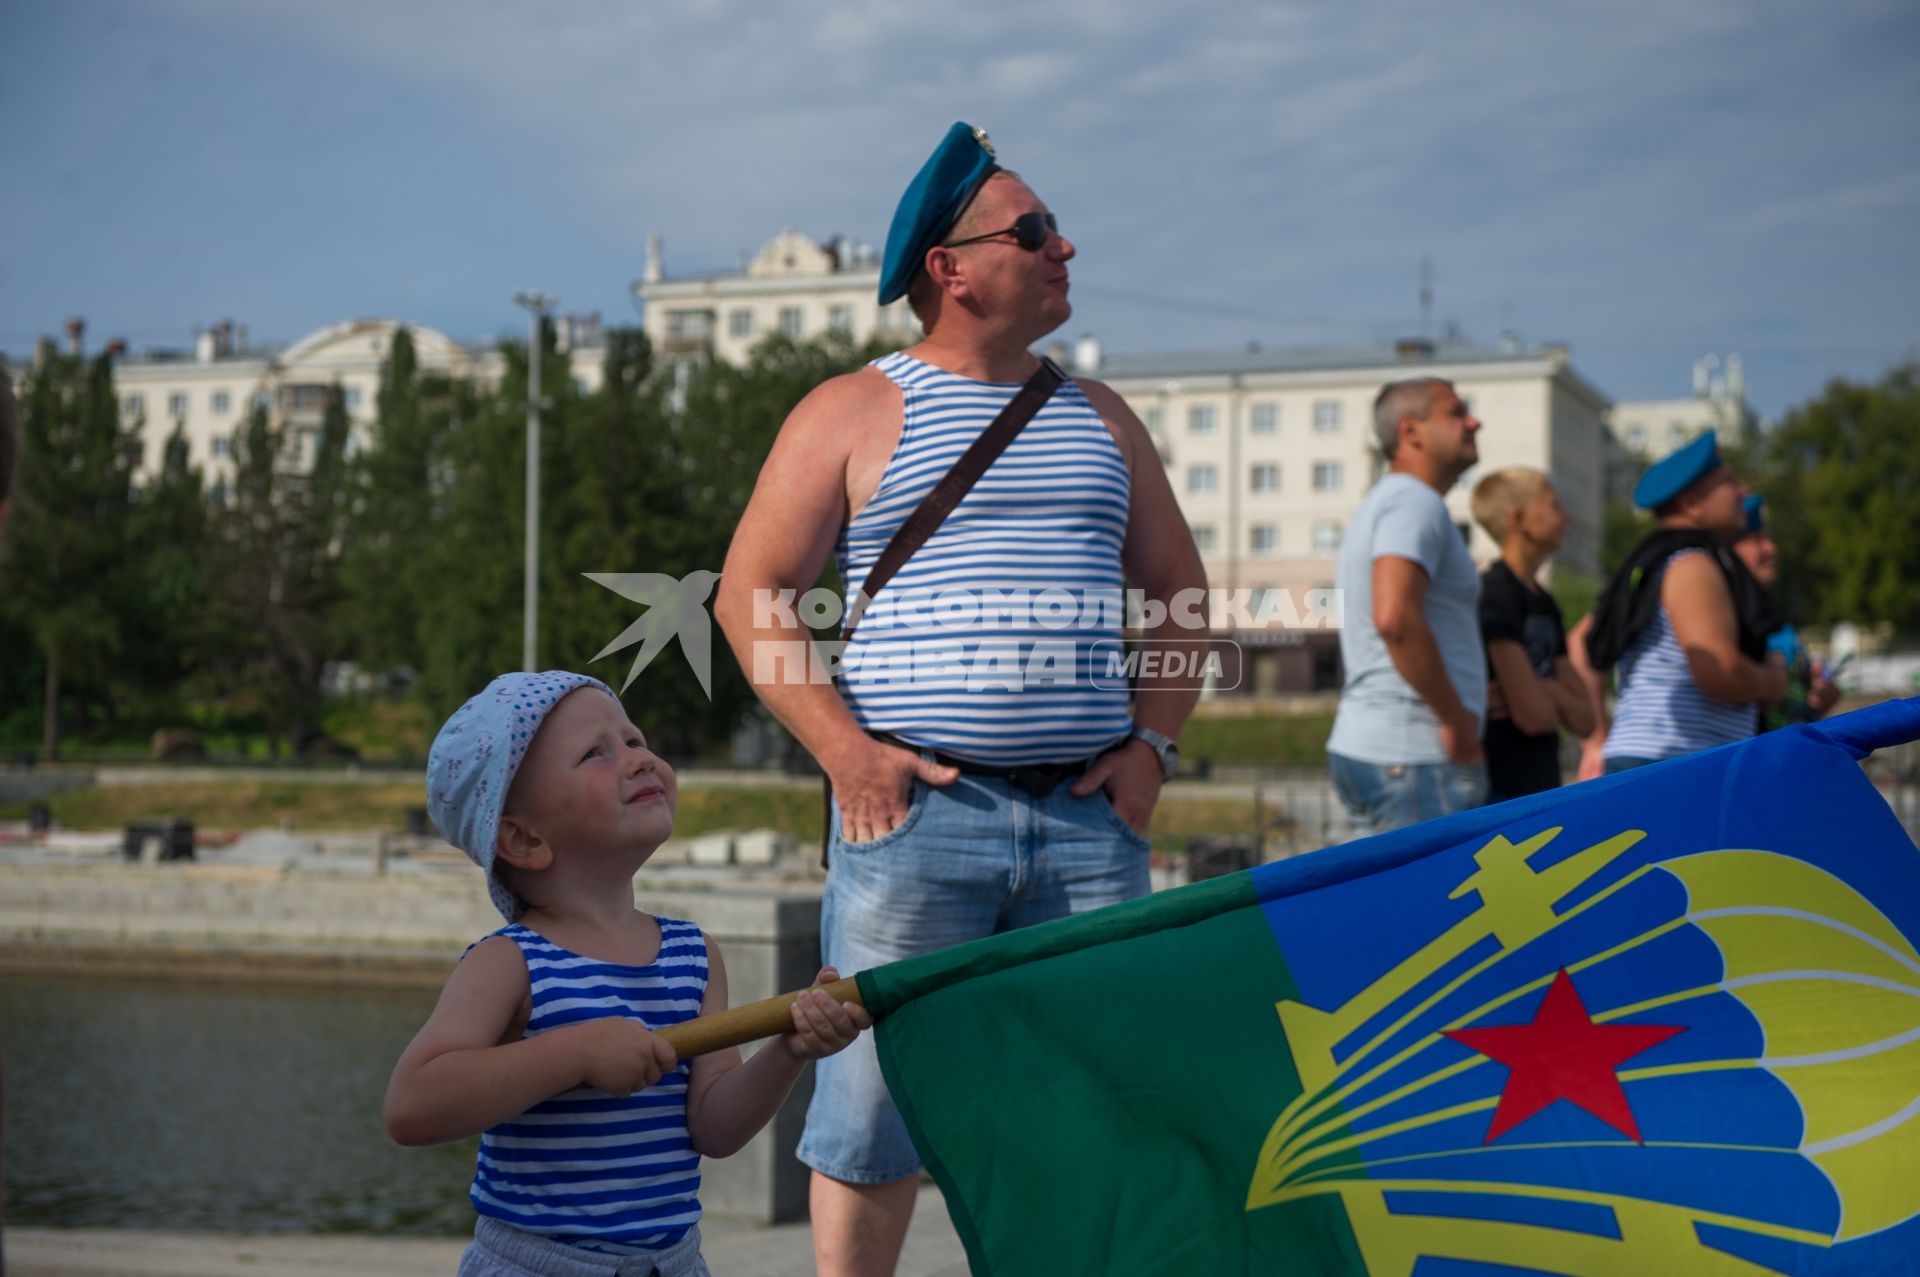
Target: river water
point(220, 1108)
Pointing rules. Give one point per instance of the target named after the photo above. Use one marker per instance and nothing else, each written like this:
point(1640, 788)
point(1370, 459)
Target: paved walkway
point(731, 1249)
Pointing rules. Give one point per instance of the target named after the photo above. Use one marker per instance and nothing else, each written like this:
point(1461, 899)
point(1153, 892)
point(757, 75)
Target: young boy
point(1534, 691)
point(591, 1130)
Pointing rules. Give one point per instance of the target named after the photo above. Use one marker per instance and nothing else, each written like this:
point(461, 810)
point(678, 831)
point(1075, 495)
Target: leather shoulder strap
point(957, 482)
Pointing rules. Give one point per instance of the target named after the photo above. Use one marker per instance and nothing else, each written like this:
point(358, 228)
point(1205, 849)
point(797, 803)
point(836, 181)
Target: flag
point(1663, 1022)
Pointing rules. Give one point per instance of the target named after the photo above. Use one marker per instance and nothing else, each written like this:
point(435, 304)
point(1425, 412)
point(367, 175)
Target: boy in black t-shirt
point(1533, 690)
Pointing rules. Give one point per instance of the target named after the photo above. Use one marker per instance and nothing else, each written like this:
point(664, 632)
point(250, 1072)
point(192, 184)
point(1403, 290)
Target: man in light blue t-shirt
point(1406, 742)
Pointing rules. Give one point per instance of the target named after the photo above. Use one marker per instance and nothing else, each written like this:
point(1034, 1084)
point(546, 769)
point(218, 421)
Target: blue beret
point(1668, 477)
point(474, 758)
point(940, 192)
point(1755, 506)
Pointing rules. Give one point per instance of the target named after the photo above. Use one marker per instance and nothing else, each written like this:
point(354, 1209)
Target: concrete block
point(760, 847)
point(771, 943)
point(710, 849)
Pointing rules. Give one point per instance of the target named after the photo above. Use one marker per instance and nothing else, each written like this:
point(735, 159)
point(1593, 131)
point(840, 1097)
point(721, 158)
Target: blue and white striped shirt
point(992, 642)
point(1662, 713)
point(607, 1174)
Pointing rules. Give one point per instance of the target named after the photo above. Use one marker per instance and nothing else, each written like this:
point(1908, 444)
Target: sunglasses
point(1029, 230)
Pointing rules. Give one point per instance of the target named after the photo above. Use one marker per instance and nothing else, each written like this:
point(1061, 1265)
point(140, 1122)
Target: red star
point(1564, 1055)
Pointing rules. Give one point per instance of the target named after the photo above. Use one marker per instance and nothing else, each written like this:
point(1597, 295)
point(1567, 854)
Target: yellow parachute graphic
point(1834, 986)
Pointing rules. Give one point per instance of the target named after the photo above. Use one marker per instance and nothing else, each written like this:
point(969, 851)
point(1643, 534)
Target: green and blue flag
point(1664, 1022)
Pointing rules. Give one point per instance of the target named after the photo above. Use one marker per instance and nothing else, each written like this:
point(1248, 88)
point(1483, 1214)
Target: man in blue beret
point(1684, 620)
point(983, 777)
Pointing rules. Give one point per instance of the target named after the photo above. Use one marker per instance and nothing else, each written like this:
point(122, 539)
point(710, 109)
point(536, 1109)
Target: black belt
point(1036, 779)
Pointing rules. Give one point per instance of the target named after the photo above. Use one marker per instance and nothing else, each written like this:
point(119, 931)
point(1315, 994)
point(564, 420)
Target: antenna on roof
point(1426, 296)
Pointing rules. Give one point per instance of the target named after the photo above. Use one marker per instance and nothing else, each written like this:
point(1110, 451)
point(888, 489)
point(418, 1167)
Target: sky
point(1649, 182)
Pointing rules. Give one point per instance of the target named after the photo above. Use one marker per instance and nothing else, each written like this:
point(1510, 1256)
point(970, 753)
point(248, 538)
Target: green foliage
point(274, 558)
point(1841, 475)
point(170, 604)
point(1575, 592)
point(73, 574)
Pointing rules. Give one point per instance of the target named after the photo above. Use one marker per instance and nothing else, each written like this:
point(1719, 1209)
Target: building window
point(1203, 480)
point(1326, 538)
point(1200, 420)
point(353, 397)
point(222, 403)
point(1326, 415)
point(1676, 434)
point(790, 321)
point(1266, 418)
point(1326, 476)
point(263, 400)
point(177, 405)
point(1203, 537)
point(1637, 438)
point(740, 323)
point(840, 318)
point(1263, 538)
point(219, 445)
point(1152, 418)
point(1264, 478)
point(689, 323)
point(134, 406)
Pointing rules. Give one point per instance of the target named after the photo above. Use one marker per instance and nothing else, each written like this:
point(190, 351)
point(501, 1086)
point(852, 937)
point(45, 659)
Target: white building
point(1269, 451)
point(1645, 430)
point(795, 286)
point(210, 391)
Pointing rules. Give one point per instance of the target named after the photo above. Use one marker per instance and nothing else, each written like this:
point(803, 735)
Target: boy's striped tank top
point(992, 642)
point(613, 1175)
point(1662, 713)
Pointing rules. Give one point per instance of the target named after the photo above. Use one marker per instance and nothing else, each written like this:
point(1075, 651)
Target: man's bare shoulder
point(862, 397)
point(1691, 571)
point(1693, 581)
point(1107, 402)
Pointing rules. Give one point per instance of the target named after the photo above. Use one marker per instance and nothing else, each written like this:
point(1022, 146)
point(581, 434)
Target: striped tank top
point(613, 1175)
point(992, 643)
point(1662, 713)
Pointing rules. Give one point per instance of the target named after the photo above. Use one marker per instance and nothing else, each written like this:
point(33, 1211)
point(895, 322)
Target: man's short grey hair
point(1397, 399)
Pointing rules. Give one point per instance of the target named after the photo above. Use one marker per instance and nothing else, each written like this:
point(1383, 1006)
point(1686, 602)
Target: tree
point(1841, 475)
point(275, 553)
point(388, 572)
point(168, 591)
point(69, 536)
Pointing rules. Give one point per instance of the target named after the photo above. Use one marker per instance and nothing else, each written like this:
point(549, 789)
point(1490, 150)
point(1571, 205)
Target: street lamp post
point(537, 303)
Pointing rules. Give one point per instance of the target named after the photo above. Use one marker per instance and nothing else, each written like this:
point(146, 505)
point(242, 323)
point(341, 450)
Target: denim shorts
point(970, 859)
point(1384, 796)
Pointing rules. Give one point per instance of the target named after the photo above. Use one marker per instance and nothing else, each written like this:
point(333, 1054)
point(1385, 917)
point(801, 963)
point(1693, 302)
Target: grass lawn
point(1266, 740)
point(321, 807)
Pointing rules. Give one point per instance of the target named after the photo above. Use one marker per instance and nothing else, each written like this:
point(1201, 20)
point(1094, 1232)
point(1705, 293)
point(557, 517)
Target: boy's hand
point(620, 1056)
point(822, 1025)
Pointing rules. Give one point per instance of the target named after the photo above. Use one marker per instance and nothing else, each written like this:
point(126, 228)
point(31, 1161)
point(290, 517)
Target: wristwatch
point(1162, 745)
